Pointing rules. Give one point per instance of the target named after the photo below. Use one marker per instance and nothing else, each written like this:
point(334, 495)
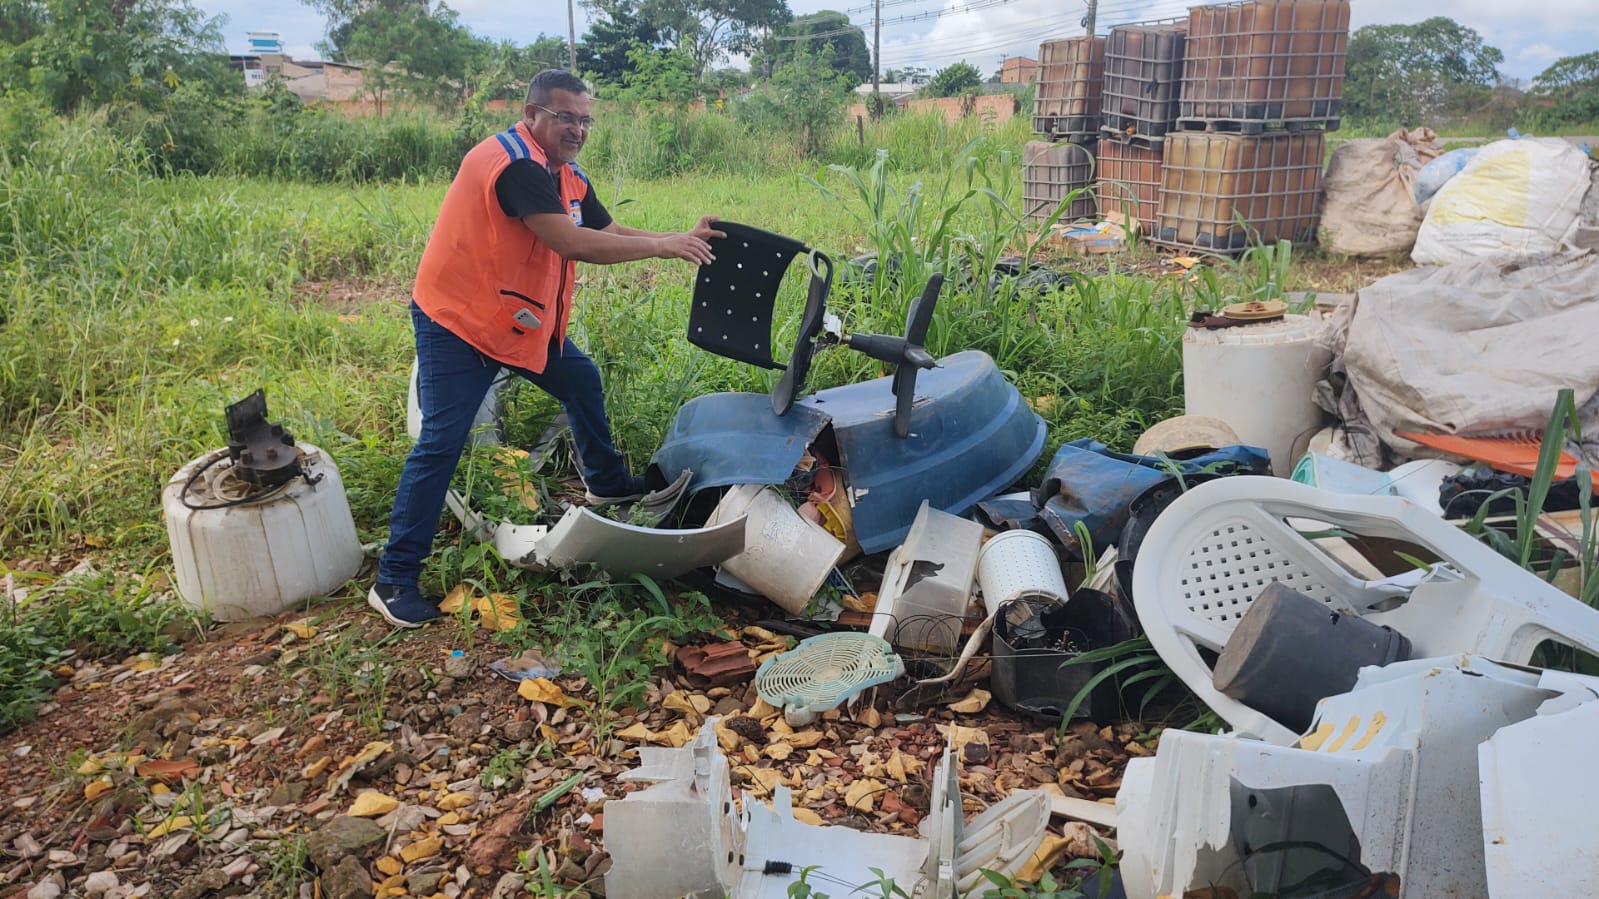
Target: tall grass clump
point(315, 145)
point(651, 142)
point(138, 306)
point(920, 141)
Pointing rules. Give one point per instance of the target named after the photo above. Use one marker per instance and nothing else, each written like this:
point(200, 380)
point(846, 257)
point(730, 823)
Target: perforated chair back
point(734, 295)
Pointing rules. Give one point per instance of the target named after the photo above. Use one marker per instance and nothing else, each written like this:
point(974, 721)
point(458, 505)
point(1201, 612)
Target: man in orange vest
point(494, 290)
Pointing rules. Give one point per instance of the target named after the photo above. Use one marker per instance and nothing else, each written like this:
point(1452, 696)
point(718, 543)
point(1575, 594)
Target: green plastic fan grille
point(820, 673)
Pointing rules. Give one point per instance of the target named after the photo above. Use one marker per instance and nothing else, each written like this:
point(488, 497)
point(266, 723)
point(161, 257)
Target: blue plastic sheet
point(1087, 483)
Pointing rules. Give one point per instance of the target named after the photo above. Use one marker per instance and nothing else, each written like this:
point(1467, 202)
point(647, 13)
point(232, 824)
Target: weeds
point(1522, 542)
point(88, 614)
point(616, 645)
point(352, 671)
point(288, 865)
point(504, 770)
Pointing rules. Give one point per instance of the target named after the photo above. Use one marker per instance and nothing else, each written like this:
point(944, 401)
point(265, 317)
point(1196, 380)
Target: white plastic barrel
point(261, 558)
point(1019, 564)
point(1259, 379)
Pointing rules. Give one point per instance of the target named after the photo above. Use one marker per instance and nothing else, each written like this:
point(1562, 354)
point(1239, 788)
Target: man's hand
point(688, 246)
point(704, 231)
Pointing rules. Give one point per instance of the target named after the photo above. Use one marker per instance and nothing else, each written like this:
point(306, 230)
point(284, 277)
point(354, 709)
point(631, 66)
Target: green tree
point(727, 81)
point(509, 66)
point(659, 76)
point(804, 97)
point(954, 80)
point(827, 34)
point(73, 53)
point(708, 30)
point(416, 49)
point(613, 31)
point(1415, 74)
point(1568, 90)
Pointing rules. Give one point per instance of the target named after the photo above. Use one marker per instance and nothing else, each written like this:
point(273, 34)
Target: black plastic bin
point(1029, 673)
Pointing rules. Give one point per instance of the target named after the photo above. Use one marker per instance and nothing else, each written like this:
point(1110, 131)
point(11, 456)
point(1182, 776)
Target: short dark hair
point(538, 90)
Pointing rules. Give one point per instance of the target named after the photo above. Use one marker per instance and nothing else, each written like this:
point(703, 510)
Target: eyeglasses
point(567, 119)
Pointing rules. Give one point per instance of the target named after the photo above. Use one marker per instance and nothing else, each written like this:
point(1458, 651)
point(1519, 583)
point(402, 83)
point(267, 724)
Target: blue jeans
point(452, 379)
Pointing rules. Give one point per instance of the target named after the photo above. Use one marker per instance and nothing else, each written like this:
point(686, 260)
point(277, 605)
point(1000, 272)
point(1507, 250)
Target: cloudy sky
point(936, 33)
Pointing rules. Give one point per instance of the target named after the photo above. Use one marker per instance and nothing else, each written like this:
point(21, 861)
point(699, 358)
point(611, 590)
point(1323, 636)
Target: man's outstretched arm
point(618, 244)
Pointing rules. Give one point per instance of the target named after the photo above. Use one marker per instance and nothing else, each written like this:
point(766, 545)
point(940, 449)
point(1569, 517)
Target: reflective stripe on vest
point(484, 275)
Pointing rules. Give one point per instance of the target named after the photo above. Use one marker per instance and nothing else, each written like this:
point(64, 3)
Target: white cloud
point(1540, 54)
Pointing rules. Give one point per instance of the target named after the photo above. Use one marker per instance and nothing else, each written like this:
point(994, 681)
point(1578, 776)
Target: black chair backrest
point(734, 295)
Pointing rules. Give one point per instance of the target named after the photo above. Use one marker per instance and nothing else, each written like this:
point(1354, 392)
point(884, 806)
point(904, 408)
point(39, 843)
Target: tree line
point(71, 54)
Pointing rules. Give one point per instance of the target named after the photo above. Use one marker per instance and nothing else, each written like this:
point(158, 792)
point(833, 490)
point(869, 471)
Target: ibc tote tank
point(1259, 378)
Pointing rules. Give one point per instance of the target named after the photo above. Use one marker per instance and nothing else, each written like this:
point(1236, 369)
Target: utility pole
point(1088, 20)
point(877, 57)
point(571, 35)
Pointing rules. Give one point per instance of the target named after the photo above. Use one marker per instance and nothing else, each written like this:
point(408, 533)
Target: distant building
point(264, 42)
point(1018, 70)
point(306, 79)
point(255, 77)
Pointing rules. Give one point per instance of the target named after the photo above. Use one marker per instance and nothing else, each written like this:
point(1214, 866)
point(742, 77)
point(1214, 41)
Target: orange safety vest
point(484, 275)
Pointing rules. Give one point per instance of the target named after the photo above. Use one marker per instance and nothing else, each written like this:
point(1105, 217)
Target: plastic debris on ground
point(824, 671)
point(530, 664)
point(1384, 784)
point(682, 836)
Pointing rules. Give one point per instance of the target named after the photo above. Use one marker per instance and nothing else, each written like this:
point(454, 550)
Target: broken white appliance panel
point(678, 836)
point(514, 542)
point(927, 583)
point(681, 836)
point(839, 854)
point(1538, 801)
point(1386, 776)
point(583, 538)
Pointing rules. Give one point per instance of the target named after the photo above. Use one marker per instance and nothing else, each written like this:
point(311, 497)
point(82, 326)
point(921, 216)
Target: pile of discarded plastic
point(1371, 657)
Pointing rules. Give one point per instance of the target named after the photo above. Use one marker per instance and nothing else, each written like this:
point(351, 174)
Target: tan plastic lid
point(1256, 310)
point(1185, 432)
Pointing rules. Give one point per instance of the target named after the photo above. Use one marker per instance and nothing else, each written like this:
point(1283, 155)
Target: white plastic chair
point(1213, 550)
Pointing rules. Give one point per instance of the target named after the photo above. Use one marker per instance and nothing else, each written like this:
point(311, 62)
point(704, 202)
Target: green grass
point(140, 305)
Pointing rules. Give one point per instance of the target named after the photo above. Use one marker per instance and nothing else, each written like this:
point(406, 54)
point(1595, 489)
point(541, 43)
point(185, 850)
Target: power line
point(973, 6)
point(870, 7)
point(939, 14)
point(1007, 37)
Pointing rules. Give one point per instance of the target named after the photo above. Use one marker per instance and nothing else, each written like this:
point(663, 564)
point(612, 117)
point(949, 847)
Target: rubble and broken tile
point(717, 663)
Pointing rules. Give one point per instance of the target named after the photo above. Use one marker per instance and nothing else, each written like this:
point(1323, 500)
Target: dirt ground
point(232, 769)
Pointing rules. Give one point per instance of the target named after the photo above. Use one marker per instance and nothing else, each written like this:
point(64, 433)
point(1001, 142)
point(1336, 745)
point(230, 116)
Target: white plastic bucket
point(1259, 379)
point(1019, 564)
point(261, 558)
point(786, 558)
